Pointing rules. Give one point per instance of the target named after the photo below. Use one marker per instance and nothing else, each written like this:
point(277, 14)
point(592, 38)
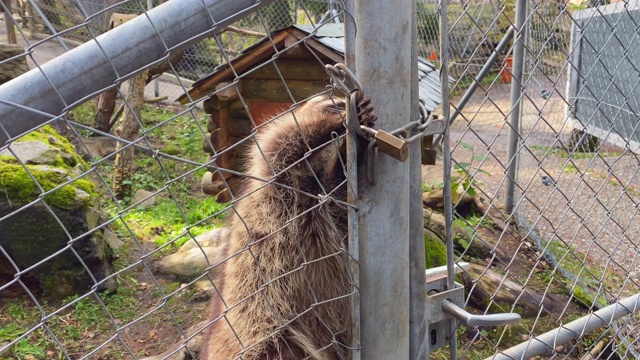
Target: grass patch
point(164, 221)
point(564, 154)
point(428, 187)
point(466, 82)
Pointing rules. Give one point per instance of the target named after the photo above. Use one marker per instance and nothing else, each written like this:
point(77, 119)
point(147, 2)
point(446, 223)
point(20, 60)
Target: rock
point(489, 286)
point(559, 348)
point(35, 234)
point(205, 285)
point(112, 239)
point(208, 239)
point(201, 295)
point(99, 147)
point(17, 66)
point(190, 263)
point(33, 152)
point(149, 197)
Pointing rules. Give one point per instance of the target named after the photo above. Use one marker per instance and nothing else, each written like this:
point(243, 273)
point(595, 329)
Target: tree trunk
point(128, 130)
point(104, 110)
point(107, 100)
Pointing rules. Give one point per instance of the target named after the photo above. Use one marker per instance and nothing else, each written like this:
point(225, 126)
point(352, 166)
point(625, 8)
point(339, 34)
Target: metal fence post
point(156, 84)
point(382, 63)
point(419, 345)
point(446, 164)
point(516, 103)
point(352, 186)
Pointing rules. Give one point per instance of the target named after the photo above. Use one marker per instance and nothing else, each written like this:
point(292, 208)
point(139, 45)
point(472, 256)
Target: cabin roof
point(327, 40)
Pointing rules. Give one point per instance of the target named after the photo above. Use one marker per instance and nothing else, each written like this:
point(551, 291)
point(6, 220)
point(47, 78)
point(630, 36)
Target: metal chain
point(340, 75)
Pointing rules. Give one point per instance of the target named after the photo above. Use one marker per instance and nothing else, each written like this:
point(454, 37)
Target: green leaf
point(461, 166)
point(466, 146)
point(471, 192)
point(484, 171)
point(479, 157)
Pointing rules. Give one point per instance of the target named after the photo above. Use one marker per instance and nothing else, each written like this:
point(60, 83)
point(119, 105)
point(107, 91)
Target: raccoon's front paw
point(366, 113)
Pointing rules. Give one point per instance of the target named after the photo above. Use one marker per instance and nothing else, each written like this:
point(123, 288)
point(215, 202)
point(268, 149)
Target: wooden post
point(128, 130)
point(8, 21)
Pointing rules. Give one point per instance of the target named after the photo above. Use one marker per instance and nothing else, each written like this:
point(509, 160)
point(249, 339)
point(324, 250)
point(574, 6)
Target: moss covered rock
point(48, 217)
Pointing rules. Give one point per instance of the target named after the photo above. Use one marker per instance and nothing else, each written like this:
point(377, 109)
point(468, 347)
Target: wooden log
point(463, 237)
point(261, 110)
point(211, 126)
point(291, 69)
point(275, 90)
point(238, 127)
point(219, 139)
point(220, 117)
point(218, 174)
point(490, 286)
point(233, 185)
point(206, 144)
point(209, 186)
point(226, 92)
point(213, 104)
point(237, 110)
point(226, 160)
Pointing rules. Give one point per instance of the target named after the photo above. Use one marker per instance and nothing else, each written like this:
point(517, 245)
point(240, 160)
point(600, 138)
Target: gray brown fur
point(275, 231)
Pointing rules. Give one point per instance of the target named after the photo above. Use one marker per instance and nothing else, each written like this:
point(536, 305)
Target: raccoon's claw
point(366, 114)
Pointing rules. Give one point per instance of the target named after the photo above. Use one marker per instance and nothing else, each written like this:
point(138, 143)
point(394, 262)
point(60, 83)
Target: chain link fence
point(567, 247)
point(113, 241)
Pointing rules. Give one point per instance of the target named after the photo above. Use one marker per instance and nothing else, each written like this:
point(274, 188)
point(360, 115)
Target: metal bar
point(516, 103)
point(446, 164)
point(352, 188)
point(382, 60)
point(571, 331)
point(418, 344)
point(574, 70)
point(29, 100)
point(156, 83)
point(481, 75)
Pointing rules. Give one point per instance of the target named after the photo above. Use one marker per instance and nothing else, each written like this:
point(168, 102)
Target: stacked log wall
point(237, 108)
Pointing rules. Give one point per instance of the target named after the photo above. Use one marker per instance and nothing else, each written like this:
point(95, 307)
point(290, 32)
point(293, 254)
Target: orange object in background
point(507, 65)
point(433, 56)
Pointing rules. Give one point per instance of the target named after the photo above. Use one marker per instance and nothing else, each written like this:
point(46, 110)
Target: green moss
point(8, 159)
point(19, 186)
point(50, 136)
point(435, 251)
point(85, 185)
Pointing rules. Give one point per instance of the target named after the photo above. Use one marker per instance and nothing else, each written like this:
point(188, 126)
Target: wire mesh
point(112, 242)
point(568, 247)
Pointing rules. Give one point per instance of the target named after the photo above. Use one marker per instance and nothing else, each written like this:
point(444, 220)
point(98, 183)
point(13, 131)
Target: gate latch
point(443, 304)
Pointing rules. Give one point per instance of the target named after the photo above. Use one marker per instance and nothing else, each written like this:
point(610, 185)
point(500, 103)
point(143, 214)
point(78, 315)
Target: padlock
point(391, 145)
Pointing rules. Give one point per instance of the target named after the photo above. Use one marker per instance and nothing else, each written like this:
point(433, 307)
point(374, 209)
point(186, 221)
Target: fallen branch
point(155, 99)
point(245, 32)
point(595, 352)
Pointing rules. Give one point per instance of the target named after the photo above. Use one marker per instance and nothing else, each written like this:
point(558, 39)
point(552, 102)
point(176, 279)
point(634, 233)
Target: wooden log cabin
point(263, 81)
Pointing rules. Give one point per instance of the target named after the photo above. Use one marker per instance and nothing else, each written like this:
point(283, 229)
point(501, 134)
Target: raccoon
point(284, 290)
